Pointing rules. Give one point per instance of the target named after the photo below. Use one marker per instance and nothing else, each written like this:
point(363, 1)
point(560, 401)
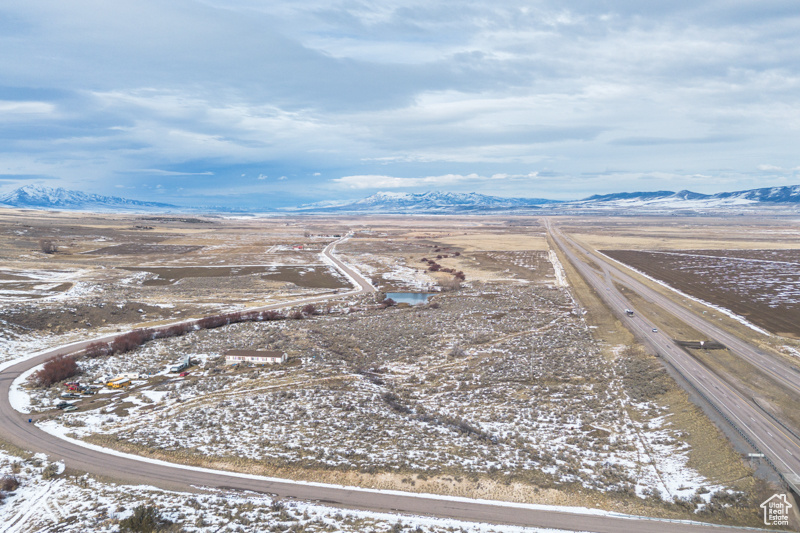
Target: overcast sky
point(272, 102)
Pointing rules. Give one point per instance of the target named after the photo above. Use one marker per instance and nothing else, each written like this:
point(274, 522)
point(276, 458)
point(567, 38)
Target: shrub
point(131, 341)
point(394, 402)
point(144, 519)
point(9, 483)
point(450, 284)
point(457, 351)
point(48, 246)
point(272, 315)
point(176, 331)
point(310, 310)
point(56, 369)
point(211, 322)
point(296, 315)
point(50, 471)
point(97, 349)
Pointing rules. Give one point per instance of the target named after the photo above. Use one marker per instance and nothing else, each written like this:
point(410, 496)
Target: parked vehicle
point(119, 383)
point(63, 405)
point(183, 374)
point(71, 408)
point(183, 365)
point(72, 385)
point(70, 395)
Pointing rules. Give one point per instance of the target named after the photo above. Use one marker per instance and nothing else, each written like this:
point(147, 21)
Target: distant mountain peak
point(43, 197)
point(425, 202)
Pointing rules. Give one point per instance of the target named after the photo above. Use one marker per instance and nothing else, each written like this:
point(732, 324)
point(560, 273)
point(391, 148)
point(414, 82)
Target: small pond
point(411, 298)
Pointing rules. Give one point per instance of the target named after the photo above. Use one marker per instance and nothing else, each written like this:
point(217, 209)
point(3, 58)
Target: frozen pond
point(411, 298)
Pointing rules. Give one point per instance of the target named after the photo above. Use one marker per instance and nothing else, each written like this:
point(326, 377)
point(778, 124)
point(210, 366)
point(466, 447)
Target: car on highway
point(655, 330)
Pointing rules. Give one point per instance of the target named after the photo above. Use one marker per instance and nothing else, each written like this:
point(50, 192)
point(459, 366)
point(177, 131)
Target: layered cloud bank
point(220, 102)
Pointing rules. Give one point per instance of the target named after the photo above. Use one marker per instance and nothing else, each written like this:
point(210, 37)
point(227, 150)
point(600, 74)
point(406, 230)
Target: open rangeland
point(762, 285)
point(499, 387)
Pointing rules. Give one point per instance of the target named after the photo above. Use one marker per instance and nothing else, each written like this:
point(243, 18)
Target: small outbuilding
point(258, 357)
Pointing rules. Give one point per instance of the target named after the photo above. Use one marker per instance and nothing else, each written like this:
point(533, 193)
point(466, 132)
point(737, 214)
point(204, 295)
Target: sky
point(269, 103)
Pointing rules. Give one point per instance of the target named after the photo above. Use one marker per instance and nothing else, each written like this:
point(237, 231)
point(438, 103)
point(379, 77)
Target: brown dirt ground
point(781, 319)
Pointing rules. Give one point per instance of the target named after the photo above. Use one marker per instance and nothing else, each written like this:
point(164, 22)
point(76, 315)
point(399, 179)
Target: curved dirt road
point(136, 470)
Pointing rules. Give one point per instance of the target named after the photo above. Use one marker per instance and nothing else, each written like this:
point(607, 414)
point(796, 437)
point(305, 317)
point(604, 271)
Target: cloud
point(9, 109)
point(653, 141)
point(391, 182)
point(160, 172)
point(776, 168)
point(260, 177)
point(447, 94)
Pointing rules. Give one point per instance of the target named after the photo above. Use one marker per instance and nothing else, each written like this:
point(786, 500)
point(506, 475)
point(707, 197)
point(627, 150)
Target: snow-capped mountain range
point(40, 197)
point(440, 202)
point(692, 200)
point(427, 202)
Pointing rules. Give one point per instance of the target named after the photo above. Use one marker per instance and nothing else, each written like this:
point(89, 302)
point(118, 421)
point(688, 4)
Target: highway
point(769, 438)
point(135, 470)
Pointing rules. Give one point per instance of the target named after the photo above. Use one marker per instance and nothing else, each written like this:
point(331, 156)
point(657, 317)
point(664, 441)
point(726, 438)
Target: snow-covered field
point(519, 393)
point(30, 284)
point(44, 498)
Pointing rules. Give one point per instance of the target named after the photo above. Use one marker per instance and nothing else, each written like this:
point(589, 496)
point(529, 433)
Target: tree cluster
point(433, 266)
point(132, 340)
point(56, 369)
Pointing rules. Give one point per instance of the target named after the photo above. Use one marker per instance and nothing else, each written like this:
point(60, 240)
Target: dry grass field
point(683, 233)
point(762, 286)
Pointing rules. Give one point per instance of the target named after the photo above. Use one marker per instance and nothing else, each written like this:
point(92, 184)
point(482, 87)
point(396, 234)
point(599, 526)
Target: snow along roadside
point(60, 432)
point(727, 312)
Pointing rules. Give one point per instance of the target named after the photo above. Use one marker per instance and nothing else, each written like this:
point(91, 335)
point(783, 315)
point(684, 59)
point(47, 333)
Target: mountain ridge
point(431, 202)
point(41, 197)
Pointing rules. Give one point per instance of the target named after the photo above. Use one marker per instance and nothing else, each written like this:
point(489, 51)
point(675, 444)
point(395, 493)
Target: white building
point(269, 357)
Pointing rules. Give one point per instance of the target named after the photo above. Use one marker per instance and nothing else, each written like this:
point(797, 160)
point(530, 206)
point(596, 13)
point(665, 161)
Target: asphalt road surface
point(769, 438)
point(17, 430)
